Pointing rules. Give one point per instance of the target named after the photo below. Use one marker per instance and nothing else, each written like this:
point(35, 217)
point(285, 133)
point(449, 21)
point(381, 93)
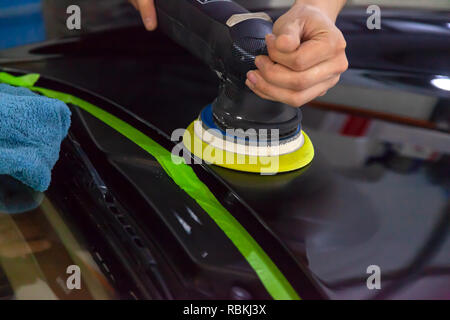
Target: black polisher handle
point(204, 28)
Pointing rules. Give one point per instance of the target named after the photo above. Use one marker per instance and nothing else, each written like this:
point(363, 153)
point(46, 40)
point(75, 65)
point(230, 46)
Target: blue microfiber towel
point(32, 128)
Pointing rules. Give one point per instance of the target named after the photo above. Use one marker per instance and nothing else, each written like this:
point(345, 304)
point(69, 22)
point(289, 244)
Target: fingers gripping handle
point(221, 33)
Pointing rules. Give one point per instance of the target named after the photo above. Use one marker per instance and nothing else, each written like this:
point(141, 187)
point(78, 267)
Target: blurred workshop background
point(29, 21)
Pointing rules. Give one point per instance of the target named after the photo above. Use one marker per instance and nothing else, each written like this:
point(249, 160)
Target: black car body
point(376, 193)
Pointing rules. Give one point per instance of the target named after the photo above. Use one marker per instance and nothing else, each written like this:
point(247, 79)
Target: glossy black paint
point(409, 40)
point(143, 215)
point(385, 205)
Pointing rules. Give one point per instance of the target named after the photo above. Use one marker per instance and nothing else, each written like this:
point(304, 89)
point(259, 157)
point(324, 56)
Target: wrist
point(330, 7)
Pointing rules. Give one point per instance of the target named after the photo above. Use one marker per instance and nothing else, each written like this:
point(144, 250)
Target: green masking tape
point(184, 176)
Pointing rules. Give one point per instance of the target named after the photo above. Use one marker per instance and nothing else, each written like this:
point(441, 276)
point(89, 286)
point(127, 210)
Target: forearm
point(330, 7)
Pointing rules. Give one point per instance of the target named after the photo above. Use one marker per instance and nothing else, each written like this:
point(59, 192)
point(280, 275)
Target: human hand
point(148, 12)
point(306, 57)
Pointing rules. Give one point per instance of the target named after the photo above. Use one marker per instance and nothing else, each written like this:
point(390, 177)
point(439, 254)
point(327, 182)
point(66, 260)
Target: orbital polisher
point(239, 130)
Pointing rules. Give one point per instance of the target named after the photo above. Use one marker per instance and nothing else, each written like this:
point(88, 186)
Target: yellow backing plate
point(265, 165)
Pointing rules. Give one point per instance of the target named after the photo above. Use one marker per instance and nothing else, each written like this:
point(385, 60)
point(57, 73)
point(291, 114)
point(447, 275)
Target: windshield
point(40, 254)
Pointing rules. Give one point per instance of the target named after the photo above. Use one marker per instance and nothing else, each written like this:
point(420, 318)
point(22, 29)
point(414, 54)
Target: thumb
point(288, 36)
